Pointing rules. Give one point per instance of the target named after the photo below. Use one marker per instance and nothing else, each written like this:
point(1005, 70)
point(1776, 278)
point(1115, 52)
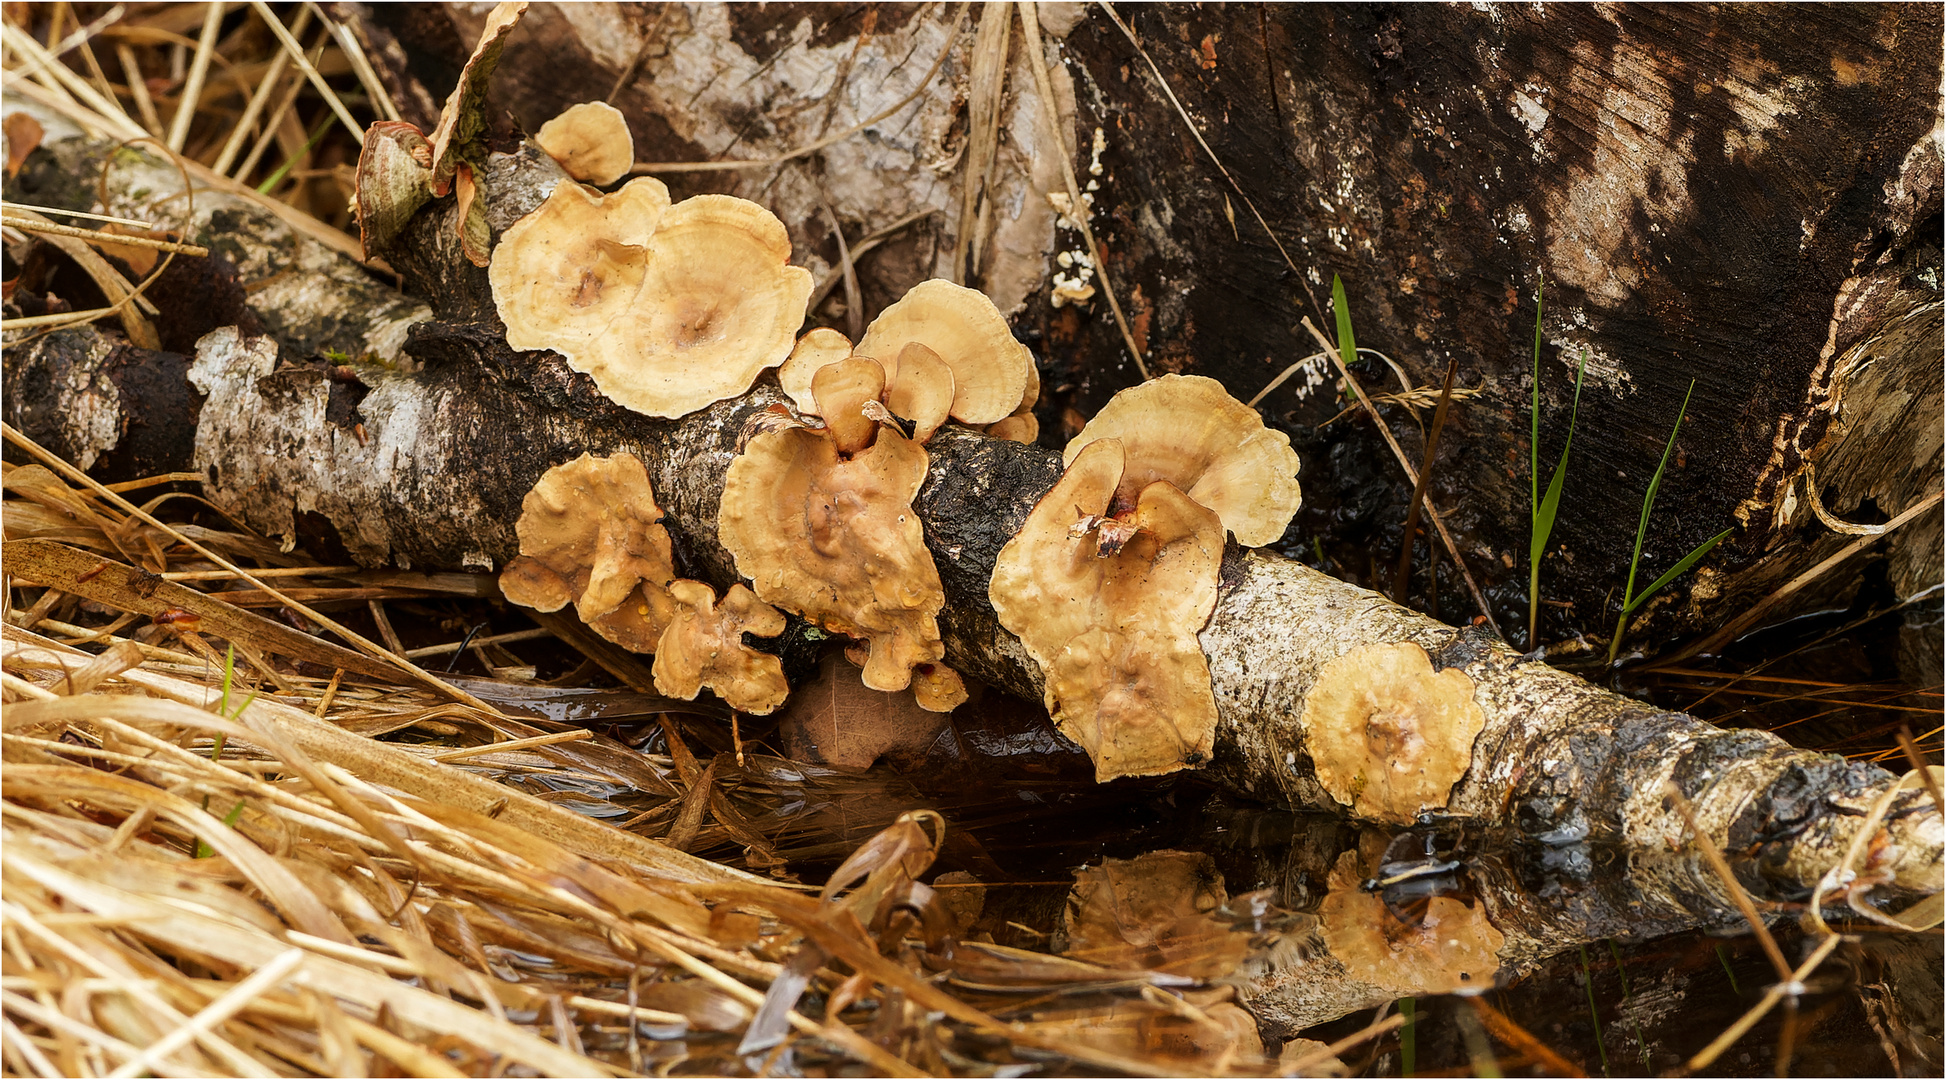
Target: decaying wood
point(422, 463)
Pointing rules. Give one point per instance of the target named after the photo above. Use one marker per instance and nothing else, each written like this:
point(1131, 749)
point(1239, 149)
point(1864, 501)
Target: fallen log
point(421, 461)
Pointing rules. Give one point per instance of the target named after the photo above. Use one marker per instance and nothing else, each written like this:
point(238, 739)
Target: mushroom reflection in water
point(1451, 948)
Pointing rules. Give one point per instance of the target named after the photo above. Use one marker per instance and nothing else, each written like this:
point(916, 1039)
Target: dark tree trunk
point(1747, 197)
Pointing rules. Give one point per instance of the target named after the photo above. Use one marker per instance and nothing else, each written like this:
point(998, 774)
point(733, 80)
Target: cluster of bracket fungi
point(669, 307)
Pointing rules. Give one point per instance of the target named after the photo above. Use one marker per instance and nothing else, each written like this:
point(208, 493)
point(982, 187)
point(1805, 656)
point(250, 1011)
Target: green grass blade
point(1675, 571)
point(1534, 413)
point(1551, 505)
point(1347, 346)
point(1594, 1014)
point(1648, 502)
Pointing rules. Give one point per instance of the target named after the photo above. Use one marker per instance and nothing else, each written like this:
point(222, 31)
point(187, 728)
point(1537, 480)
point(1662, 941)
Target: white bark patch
point(1636, 162)
point(90, 407)
point(705, 83)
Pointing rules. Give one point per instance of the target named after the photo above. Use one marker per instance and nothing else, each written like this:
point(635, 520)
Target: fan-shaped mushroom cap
point(1021, 425)
point(1387, 735)
point(963, 328)
point(816, 349)
point(564, 276)
point(589, 535)
point(1188, 430)
point(922, 392)
point(394, 180)
point(937, 688)
point(1115, 630)
point(590, 141)
point(462, 119)
point(666, 311)
point(703, 646)
point(844, 388)
point(719, 303)
point(838, 542)
point(1453, 947)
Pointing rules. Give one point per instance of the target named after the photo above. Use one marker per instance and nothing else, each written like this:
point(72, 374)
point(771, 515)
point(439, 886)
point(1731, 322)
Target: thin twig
point(361, 65)
point(138, 88)
point(1078, 213)
point(1403, 576)
point(1737, 892)
point(93, 236)
point(1911, 750)
point(854, 302)
point(576, 735)
point(952, 38)
point(1439, 524)
point(1793, 986)
point(1200, 141)
point(1736, 627)
point(4, 206)
point(358, 640)
point(273, 74)
point(837, 277)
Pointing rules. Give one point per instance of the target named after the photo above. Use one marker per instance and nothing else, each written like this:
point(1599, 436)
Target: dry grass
point(224, 860)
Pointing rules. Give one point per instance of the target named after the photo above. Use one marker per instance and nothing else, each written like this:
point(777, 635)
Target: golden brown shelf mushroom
point(590, 535)
point(968, 334)
point(1188, 430)
point(830, 533)
point(668, 308)
point(1388, 736)
point(1109, 605)
point(994, 384)
point(590, 141)
point(703, 646)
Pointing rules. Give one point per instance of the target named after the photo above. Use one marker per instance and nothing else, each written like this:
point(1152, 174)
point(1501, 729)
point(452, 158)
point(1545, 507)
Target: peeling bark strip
point(423, 460)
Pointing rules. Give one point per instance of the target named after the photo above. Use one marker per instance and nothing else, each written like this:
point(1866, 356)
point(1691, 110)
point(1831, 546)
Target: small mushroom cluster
point(821, 521)
point(1115, 571)
point(590, 535)
point(938, 342)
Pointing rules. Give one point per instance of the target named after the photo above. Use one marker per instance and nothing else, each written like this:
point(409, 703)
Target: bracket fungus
point(1388, 736)
point(667, 307)
point(400, 168)
point(821, 522)
point(1108, 597)
point(590, 535)
point(703, 646)
point(590, 142)
point(1188, 430)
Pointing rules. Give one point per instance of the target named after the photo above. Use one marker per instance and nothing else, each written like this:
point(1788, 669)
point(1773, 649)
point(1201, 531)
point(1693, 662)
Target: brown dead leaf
point(837, 720)
point(23, 138)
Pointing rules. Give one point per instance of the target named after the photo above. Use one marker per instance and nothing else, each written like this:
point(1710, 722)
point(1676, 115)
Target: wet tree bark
point(423, 463)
